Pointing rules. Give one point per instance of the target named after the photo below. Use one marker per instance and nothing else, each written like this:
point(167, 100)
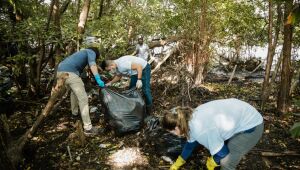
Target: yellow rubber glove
point(179, 162)
point(211, 164)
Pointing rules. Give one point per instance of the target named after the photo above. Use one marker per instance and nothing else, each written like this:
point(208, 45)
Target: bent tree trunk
point(14, 151)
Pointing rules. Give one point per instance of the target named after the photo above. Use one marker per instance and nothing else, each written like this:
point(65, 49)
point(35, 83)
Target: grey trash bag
point(124, 111)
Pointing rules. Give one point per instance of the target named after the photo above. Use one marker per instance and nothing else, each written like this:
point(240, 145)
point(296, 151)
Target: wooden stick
point(232, 74)
point(256, 68)
point(69, 152)
point(274, 154)
point(151, 60)
point(164, 59)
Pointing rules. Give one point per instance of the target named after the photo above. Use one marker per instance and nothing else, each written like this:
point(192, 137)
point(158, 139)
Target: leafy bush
point(295, 130)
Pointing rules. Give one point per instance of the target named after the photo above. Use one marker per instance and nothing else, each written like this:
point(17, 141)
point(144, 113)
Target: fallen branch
point(165, 59)
point(69, 152)
point(259, 65)
point(15, 150)
point(232, 74)
point(286, 153)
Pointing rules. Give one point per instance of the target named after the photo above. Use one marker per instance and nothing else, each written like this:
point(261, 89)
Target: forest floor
point(48, 148)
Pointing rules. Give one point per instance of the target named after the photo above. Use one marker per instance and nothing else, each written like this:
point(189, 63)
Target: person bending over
point(137, 69)
point(228, 128)
point(74, 65)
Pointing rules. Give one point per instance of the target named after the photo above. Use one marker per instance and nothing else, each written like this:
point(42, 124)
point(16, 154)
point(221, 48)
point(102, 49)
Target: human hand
point(99, 81)
point(108, 84)
point(179, 162)
point(139, 84)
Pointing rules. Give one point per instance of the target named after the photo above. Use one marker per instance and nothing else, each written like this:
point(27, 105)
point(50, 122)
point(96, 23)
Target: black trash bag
point(164, 143)
point(124, 111)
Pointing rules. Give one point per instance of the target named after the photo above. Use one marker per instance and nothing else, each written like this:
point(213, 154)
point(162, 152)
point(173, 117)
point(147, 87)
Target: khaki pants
point(78, 97)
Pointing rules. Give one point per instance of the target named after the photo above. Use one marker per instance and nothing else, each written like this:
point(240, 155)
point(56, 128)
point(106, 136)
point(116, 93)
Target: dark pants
point(146, 76)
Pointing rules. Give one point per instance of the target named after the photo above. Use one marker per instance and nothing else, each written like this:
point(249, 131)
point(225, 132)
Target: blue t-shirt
point(76, 62)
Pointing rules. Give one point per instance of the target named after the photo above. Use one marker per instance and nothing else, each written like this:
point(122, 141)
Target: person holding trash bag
point(139, 71)
point(228, 128)
point(74, 65)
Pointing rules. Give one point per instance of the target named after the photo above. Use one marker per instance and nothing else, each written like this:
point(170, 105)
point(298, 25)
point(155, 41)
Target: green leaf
point(295, 130)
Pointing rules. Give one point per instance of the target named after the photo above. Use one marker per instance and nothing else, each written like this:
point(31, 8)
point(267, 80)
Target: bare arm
point(138, 68)
point(115, 79)
point(94, 69)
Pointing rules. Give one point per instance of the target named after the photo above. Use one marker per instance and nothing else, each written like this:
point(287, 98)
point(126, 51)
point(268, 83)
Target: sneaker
point(92, 132)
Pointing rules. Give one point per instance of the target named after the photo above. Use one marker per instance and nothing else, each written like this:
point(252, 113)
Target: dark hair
point(103, 65)
point(96, 51)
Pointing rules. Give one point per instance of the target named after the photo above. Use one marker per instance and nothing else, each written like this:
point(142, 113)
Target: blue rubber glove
point(99, 81)
point(221, 154)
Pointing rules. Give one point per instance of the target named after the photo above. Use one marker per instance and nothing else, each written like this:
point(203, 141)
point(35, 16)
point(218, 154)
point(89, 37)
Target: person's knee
point(83, 98)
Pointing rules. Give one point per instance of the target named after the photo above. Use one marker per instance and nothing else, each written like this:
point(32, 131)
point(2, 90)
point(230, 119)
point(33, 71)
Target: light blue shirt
point(124, 65)
point(214, 122)
point(76, 62)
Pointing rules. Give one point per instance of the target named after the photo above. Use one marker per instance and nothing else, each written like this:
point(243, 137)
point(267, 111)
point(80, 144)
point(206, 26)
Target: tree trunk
point(276, 70)
point(5, 162)
point(56, 17)
point(36, 66)
point(269, 56)
point(131, 27)
point(202, 47)
point(82, 21)
point(83, 16)
point(15, 150)
point(78, 7)
point(101, 9)
point(64, 6)
point(283, 96)
point(295, 81)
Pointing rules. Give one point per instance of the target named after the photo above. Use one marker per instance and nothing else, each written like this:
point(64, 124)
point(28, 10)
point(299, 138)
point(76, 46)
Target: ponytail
point(184, 116)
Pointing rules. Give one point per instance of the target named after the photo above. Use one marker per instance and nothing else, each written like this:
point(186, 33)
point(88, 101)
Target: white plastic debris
point(167, 159)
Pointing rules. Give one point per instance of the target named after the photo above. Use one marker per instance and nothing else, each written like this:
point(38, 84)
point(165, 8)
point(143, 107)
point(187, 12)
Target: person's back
point(76, 62)
point(222, 119)
point(124, 64)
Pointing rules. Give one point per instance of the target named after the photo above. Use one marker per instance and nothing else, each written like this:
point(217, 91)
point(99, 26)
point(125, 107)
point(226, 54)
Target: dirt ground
point(48, 148)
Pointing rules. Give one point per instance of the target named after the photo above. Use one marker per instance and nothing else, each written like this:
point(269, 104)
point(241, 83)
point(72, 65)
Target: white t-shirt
point(142, 51)
point(124, 65)
point(214, 122)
